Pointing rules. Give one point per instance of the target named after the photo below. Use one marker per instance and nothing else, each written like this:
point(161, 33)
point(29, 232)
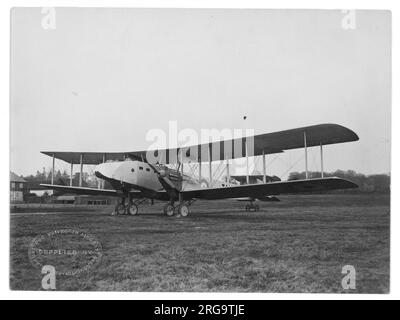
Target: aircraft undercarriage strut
point(131, 209)
point(182, 209)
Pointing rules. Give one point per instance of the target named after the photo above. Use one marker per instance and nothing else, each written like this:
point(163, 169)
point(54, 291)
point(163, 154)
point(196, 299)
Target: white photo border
point(7, 5)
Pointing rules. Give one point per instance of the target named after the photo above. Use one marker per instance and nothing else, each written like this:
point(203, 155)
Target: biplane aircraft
point(139, 176)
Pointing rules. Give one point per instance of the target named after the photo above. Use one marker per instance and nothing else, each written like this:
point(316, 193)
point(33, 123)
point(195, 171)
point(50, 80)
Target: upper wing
point(268, 189)
point(88, 191)
point(269, 143)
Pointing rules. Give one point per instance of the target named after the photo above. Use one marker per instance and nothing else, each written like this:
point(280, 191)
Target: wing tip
point(347, 184)
point(351, 135)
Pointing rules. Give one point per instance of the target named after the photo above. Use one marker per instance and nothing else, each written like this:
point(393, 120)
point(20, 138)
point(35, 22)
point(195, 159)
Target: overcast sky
point(104, 77)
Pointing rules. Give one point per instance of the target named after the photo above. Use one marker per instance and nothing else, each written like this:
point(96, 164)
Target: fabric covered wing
point(270, 143)
point(269, 189)
point(86, 191)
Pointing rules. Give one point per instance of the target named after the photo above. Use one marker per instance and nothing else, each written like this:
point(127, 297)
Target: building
point(95, 200)
point(65, 199)
point(18, 188)
point(84, 200)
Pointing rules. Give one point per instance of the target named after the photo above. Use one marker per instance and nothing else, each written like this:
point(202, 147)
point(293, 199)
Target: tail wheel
point(132, 209)
point(183, 210)
point(169, 210)
point(120, 209)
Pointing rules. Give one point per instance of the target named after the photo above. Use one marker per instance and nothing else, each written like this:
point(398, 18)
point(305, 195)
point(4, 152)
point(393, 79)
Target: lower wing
point(270, 189)
point(88, 191)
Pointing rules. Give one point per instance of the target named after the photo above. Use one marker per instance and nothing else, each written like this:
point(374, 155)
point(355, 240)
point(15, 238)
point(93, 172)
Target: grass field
point(297, 245)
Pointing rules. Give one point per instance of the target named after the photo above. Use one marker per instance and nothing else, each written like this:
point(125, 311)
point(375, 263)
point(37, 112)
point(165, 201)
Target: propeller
point(164, 179)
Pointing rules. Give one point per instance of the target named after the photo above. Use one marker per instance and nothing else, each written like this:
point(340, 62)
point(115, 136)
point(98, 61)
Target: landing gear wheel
point(169, 210)
point(120, 209)
point(257, 207)
point(132, 209)
point(247, 207)
point(183, 210)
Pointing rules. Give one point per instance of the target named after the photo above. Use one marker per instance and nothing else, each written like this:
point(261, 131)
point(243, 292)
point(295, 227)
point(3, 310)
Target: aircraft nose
point(99, 171)
point(98, 174)
point(105, 170)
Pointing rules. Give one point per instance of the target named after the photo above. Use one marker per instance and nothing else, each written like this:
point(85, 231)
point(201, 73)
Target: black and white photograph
point(200, 151)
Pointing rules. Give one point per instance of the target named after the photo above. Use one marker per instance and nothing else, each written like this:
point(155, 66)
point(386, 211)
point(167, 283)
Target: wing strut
point(52, 169)
point(81, 172)
point(228, 174)
point(71, 174)
point(247, 164)
point(322, 161)
point(210, 162)
point(200, 171)
point(264, 168)
point(305, 151)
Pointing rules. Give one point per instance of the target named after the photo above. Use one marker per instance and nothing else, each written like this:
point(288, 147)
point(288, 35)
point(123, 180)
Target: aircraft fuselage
point(138, 175)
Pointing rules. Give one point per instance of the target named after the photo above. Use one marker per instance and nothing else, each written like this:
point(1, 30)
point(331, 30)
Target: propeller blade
point(163, 178)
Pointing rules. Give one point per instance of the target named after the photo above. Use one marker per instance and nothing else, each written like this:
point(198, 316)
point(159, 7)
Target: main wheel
point(247, 207)
point(132, 209)
point(257, 207)
point(169, 210)
point(120, 209)
point(183, 210)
